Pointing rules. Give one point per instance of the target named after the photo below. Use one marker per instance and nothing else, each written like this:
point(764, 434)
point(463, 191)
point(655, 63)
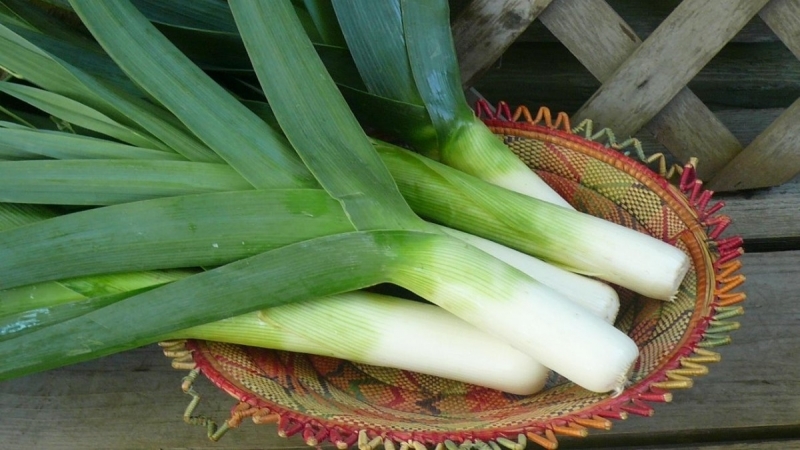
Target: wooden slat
point(783, 17)
point(685, 126)
point(771, 214)
point(659, 68)
point(774, 157)
point(130, 400)
point(133, 400)
point(778, 444)
point(645, 16)
point(745, 124)
point(764, 445)
point(748, 76)
point(484, 29)
point(771, 159)
point(593, 32)
point(771, 444)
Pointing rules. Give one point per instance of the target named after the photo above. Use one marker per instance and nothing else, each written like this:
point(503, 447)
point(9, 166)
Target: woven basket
point(336, 401)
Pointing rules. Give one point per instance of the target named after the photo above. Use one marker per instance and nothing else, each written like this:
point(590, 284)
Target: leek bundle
point(182, 175)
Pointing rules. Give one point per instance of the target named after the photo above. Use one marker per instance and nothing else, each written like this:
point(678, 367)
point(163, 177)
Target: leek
point(597, 297)
point(316, 138)
point(30, 319)
point(36, 144)
point(404, 52)
point(384, 331)
point(576, 241)
point(572, 240)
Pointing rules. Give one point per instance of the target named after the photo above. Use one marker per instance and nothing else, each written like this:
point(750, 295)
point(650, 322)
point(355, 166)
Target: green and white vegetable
point(597, 297)
point(575, 241)
point(385, 331)
point(404, 52)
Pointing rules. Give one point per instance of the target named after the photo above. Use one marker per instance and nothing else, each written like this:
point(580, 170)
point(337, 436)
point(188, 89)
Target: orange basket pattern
point(345, 403)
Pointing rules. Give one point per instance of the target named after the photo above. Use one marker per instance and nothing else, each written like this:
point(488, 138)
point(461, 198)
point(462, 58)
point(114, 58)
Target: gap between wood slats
point(774, 157)
point(602, 41)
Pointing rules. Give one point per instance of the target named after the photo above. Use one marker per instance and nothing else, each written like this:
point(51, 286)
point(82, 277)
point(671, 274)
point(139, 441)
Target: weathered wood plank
point(771, 159)
point(133, 400)
point(686, 127)
point(765, 445)
point(645, 17)
point(783, 17)
point(127, 401)
point(753, 76)
point(659, 68)
point(484, 29)
point(593, 32)
point(774, 157)
point(769, 214)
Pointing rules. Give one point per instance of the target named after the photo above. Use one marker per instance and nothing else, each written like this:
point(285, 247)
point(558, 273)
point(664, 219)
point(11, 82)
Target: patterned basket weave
point(344, 403)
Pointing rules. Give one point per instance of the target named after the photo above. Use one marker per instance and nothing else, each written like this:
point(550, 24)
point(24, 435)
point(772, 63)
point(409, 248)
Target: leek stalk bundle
point(174, 175)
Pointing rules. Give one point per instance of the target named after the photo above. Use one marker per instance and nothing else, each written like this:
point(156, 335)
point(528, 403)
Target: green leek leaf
point(197, 14)
point(432, 58)
point(44, 17)
point(374, 34)
point(172, 232)
point(25, 143)
point(90, 77)
point(109, 182)
point(251, 147)
point(79, 114)
point(332, 144)
point(14, 325)
point(12, 216)
point(324, 18)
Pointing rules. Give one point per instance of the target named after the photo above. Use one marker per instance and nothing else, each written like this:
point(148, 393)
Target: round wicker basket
point(336, 401)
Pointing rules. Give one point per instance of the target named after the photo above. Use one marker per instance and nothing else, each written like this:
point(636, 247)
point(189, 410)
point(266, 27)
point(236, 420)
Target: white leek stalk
point(384, 331)
point(474, 149)
point(576, 241)
point(512, 306)
point(599, 298)
point(404, 52)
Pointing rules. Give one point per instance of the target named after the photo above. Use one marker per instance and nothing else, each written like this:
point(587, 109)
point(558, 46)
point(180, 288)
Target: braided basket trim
point(686, 219)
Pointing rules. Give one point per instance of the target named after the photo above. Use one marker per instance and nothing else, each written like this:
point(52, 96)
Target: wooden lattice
point(644, 82)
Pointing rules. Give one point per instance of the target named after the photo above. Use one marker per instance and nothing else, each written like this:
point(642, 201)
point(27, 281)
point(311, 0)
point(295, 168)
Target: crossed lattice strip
point(644, 82)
